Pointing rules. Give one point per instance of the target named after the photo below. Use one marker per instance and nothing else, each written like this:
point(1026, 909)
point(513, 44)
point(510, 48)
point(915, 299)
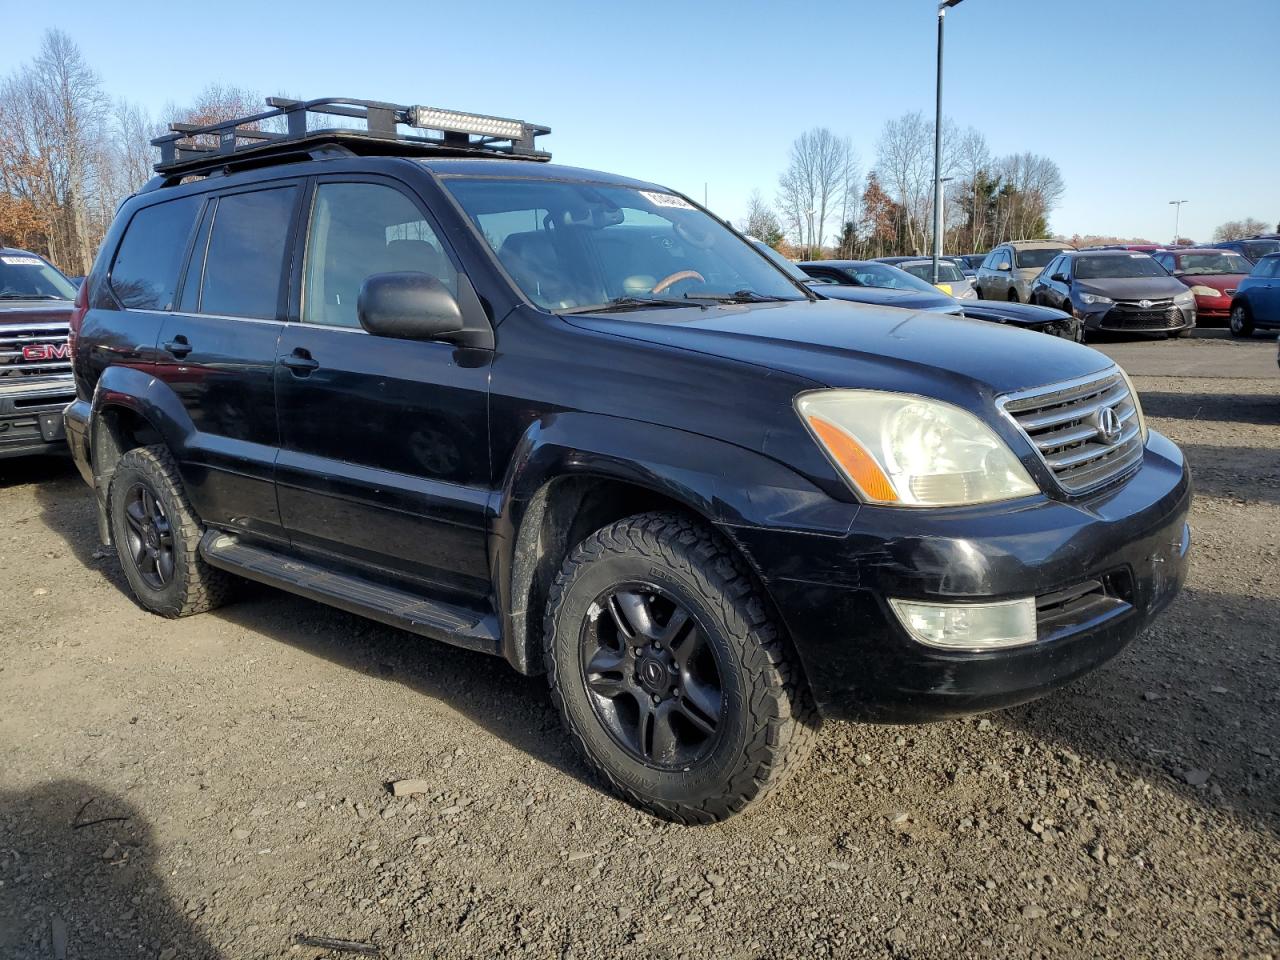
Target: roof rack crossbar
point(286, 127)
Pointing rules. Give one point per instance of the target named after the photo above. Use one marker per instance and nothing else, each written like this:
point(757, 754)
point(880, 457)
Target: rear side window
point(245, 260)
point(145, 273)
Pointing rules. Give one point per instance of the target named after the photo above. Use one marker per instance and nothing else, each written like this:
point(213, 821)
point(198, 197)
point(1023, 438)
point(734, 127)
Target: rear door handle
point(300, 362)
point(178, 346)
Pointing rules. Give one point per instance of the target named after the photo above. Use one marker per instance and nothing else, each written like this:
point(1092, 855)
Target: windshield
point(785, 265)
point(1203, 263)
point(1037, 259)
point(27, 277)
point(1255, 249)
point(947, 272)
point(1116, 266)
point(573, 245)
point(889, 276)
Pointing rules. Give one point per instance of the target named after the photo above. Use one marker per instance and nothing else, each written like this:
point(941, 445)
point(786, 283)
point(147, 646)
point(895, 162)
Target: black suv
point(574, 420)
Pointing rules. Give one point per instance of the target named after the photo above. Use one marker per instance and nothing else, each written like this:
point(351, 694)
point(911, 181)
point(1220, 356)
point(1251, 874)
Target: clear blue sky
point(715, 91)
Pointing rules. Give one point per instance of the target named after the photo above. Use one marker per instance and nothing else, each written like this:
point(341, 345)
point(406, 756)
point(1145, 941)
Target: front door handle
point(178, 346)
point(300, 362)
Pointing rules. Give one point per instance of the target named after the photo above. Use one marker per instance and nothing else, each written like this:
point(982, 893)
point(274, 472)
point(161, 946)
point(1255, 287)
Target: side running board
point(397, 608)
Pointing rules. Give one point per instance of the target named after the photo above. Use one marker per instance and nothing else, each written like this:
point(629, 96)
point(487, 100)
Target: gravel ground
point(216, 787)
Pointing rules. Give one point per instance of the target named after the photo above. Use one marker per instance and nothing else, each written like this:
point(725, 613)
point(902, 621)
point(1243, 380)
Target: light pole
point(943, 7)
point(1177, 216)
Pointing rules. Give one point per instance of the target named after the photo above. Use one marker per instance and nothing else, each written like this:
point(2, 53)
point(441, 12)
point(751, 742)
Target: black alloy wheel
point(652, 677)
point(149, 537)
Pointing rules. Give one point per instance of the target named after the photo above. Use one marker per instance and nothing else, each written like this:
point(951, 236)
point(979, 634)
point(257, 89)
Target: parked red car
point(1212, 275)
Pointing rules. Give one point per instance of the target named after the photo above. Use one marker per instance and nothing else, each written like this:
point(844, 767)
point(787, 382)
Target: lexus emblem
point(1145, 304)
point(1108, 425)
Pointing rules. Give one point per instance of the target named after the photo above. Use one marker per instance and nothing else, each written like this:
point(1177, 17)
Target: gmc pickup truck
point(35, 357)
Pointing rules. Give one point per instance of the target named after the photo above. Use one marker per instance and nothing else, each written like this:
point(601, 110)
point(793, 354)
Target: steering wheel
point(667, 282)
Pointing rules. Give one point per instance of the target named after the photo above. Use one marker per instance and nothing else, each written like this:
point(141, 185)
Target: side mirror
point(1004, 266)
point(1058, 278)
point(408, 306)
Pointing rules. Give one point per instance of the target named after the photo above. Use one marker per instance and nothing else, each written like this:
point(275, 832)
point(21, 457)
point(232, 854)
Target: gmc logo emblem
point(46, 351)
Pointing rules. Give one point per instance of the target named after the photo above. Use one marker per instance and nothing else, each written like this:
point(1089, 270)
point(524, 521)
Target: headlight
point(1200, 290)
point(1184, 298)
point(1137, 405)
point(1092, 298)
point(899, 449)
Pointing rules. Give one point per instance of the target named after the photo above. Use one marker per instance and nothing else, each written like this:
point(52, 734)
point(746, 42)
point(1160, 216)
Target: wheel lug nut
point(656, 698)
point(657, 646)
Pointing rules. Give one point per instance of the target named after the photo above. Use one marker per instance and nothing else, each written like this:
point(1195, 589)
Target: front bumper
point(1131, 541)
point(31, 416)
point(1130, 318)
point(1213, 308)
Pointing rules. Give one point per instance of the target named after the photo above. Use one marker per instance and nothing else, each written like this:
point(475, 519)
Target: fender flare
point(135, 390)
point(722, 483)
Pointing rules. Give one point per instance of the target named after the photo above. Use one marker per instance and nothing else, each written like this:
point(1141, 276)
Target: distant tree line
point(825, 204)
point(69, 153)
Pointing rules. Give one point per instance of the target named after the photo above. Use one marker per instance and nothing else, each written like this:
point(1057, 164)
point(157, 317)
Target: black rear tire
point(613, 615)
point(1013, 296)
point(157, 537)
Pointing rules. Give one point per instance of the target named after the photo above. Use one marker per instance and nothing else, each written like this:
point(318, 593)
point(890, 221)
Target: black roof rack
point(366, 127)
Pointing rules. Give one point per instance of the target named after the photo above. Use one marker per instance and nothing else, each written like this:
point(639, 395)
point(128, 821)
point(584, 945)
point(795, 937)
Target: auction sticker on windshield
point(666, 200)
point(22, 261)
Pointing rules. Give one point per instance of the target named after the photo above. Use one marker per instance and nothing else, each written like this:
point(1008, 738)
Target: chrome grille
point(16, 361)
point(1063, 423)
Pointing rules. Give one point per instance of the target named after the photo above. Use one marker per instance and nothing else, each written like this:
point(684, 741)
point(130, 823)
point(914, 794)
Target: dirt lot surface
point(215, 787)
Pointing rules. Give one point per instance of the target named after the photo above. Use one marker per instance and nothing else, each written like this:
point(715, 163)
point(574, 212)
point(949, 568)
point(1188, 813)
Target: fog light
point(969, 626)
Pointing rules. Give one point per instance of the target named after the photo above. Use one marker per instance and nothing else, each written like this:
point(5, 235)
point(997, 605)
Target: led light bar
point(433, 118)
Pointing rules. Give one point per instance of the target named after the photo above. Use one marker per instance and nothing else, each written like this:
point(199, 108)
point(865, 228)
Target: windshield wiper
point(633, 303)
point(738, 296)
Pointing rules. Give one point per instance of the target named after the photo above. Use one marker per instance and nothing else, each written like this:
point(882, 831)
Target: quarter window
point(359, 230)
point(247, 246)
point(145, 273)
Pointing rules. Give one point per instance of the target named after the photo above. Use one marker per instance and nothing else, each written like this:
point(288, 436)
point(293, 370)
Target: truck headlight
point(1092, 298)
point(910, 451)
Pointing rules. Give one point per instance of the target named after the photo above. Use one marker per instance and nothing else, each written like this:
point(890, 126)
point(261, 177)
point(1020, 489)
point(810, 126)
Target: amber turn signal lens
point(857, 464)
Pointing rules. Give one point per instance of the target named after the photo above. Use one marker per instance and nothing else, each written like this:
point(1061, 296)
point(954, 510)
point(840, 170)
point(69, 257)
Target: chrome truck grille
point(1086, 431)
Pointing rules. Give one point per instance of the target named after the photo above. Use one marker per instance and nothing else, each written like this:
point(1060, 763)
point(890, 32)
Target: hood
point(35, 311)
point(854, 345)
point(1132, 288)
point(887, 297)
point(1019, 314)
point(1219, 281)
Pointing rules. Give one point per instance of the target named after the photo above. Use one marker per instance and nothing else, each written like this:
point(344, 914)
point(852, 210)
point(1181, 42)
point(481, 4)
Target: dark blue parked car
point(1257, 300)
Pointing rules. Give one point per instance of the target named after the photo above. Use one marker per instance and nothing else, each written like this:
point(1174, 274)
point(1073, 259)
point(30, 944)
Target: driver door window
point(358, 230)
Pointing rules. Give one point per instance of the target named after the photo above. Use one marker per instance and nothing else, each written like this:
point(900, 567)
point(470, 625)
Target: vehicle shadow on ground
point(1256, 408)
point(92, 890)
point(1195, 692)
point(483, 688)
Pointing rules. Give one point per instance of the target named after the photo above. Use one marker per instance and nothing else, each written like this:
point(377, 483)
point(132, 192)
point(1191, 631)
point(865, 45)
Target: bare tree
point(812, 187)
point(1232, 229)
point(52, 111)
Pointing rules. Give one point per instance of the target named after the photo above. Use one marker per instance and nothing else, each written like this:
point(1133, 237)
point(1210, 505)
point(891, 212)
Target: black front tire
point(766, 721)
point(157, 537)
point(1241, 322)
